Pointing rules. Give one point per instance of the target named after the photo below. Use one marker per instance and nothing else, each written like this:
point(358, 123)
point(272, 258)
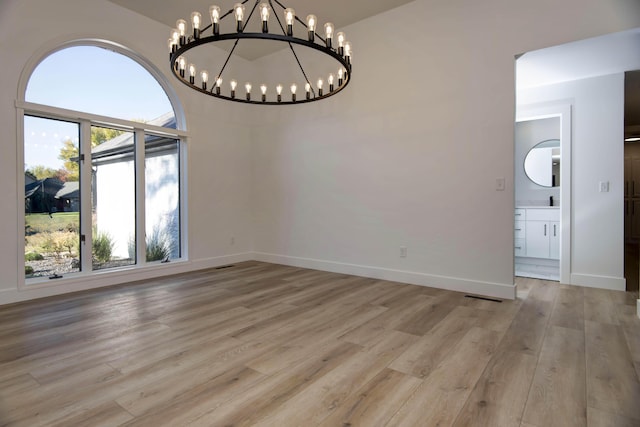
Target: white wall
point(116, 204)
point(527, 135)
point(597, 219)
point(218, 148)
point(409, 154)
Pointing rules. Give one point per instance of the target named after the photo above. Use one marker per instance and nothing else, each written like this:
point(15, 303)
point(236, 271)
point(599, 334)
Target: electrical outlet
point(500, 184)
point(232, 241)
point(403, 251)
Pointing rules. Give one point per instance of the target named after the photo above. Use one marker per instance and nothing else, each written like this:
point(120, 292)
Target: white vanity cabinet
point(537, 234)
point(520, 230)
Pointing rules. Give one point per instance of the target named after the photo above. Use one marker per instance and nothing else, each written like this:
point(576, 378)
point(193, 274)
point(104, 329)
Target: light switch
point(603, 186)
point(499, 184)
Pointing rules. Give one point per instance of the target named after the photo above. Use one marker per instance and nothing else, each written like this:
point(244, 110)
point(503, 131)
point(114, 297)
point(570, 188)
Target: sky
point(90, 79)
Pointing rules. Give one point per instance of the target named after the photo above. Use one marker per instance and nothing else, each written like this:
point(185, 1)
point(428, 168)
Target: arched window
point(102, 162)
point(100, 81)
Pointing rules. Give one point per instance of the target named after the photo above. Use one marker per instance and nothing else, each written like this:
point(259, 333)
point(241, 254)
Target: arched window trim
point(24, 108)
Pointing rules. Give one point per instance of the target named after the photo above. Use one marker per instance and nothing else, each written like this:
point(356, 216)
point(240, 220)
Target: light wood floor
point(268, 345)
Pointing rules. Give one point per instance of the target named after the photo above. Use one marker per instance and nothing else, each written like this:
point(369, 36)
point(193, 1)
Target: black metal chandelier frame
point(179, 48)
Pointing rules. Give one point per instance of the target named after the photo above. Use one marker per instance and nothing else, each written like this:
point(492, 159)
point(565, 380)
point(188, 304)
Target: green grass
point(43, 223)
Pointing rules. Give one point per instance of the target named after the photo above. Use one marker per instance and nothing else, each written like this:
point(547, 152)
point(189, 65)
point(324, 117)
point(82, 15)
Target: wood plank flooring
point(259, 344)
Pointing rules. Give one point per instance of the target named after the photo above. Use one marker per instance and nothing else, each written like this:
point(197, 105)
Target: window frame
point(85, 121)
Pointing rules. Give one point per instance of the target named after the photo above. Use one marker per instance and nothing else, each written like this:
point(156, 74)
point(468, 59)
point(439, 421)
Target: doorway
point(632, 180)
point(544, 204)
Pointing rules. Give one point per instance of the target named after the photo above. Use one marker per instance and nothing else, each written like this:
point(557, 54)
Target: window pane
point(162, 199)
point(99, 81)
point(51, 197)
point(113, 198)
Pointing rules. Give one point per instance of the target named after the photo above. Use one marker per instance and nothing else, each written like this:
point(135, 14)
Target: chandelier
point(287, 30)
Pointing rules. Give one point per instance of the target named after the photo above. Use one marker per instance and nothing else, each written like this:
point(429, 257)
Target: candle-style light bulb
point(340, 76)
point(181, 26)
point(294, 88)
point(182, 65)
point(174, 40)
point(341, 39)
point(307, 88)
point(312, 22)
point(279, 91)
point(171, 43)
point(175, 35)
point(348, 52)
point(214, 12)
point(289, 17)
point(330, 80)
point(192, 73)
point(320, 83)
point(328, 31)
point(238, 11)
point(204, 76)
point(263, 89)
point(196, 21)
point(247, 86)
point(264, 14)
point(218, 85)
point(233, 85)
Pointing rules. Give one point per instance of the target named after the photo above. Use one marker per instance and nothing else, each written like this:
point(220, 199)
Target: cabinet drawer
point(520, 229)
point(521, 214)
point(543, 214)
point(519, 247)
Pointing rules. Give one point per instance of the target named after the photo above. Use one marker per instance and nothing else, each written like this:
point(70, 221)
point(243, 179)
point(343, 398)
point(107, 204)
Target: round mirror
point(542, 163)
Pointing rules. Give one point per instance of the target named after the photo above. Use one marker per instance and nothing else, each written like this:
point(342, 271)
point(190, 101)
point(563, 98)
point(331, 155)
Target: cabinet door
point(519, 247)
point(554, 240)
point(520, 229)
point(635, 219)
point(627, 173)
point(635, 176)
point(537, 239)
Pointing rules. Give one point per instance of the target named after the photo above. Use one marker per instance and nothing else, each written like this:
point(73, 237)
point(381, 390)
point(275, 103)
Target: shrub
point(58, 241)
point(33, 256)
point(158, 247)
point(28, 270)
point(102, 246)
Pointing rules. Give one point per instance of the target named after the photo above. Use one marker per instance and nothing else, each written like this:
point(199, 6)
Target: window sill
point(109, 277)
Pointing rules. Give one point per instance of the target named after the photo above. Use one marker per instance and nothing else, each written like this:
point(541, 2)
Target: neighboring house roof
point(50, 186)
point(29, 177)
point(70, 190)
point(122, 145)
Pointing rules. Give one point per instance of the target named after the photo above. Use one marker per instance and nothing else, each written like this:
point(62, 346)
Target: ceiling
point(598, 56)
point(340, 12)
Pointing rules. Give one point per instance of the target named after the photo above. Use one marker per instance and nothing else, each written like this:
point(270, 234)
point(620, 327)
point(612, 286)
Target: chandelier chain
point(291, 46)
point(225, 63)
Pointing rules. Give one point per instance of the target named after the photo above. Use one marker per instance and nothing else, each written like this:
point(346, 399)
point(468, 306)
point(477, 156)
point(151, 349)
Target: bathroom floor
point(537, 269)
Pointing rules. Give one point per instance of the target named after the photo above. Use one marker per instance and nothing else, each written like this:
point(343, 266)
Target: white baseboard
point(602, 282)
point(495, 290)
point(109, 278)
point(203, 264)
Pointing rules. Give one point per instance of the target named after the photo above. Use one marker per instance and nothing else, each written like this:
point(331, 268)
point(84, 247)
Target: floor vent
point(483, 298)
point(224, 266)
